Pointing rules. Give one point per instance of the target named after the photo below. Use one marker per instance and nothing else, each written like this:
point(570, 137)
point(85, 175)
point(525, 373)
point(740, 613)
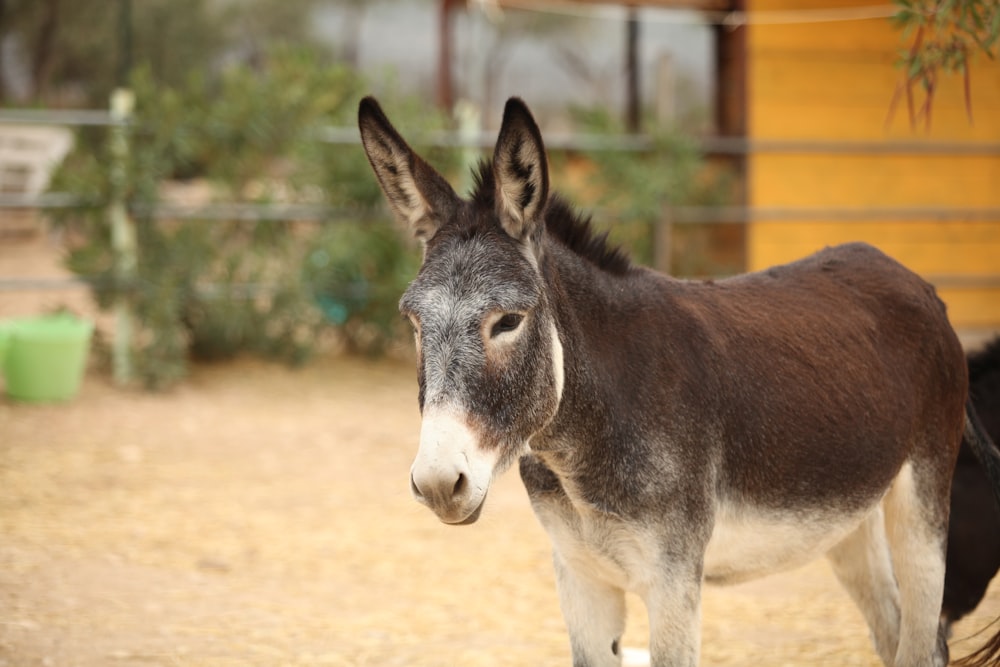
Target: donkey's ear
point(520, 171)
point(418, 196)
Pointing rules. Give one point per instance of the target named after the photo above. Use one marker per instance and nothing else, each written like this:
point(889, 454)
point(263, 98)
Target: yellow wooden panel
point(972, 308)
point(865, 35)
point(835, 81)
point(882, 181)
point(932, 249)
point(838, 79)
point(794, 96)
point(795, 120)
point(772, 5)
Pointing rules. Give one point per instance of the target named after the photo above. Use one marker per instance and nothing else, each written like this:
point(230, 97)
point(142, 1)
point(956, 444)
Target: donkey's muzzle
point(445, 505)
point(450, 474)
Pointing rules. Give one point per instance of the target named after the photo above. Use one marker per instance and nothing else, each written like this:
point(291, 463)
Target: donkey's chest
point(602, 548)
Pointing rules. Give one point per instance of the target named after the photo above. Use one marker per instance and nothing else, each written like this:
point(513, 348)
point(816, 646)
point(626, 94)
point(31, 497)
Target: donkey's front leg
point(595, 616)
point(674, 606)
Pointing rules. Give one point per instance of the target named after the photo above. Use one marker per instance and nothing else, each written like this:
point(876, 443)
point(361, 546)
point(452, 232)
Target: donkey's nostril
point(459, 485)
point(414, 488)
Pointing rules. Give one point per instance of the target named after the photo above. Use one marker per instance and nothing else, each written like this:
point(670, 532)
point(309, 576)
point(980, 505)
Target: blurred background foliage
point(232, 99)
point(208, 288)
point(634, 191)
point(75, 49)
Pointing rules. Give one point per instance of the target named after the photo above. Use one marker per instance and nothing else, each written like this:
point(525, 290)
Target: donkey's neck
point(616, 340)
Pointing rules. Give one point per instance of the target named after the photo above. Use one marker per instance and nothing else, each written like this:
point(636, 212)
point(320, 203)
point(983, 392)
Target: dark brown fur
point(974, 527)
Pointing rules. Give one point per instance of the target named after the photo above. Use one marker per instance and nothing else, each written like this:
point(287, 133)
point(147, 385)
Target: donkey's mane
point(573, 230)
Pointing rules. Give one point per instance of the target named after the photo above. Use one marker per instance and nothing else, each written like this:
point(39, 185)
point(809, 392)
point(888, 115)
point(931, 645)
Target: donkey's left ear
point(418, 196)
point(521, 172)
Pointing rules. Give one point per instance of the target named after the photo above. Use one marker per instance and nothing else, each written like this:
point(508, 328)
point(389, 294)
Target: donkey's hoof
point(635, 657)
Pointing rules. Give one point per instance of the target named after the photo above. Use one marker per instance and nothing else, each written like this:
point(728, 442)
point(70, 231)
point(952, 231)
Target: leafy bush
point(635, 189)
point(211, 289)
point(357, 272)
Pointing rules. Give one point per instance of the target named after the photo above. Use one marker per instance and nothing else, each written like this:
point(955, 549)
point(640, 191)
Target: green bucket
point(5, 327)
point(46, 357)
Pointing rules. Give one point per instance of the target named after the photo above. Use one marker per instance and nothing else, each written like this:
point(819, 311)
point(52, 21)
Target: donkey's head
point(489, 357)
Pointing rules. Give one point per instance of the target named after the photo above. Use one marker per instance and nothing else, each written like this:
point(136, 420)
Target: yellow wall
point(834, 82)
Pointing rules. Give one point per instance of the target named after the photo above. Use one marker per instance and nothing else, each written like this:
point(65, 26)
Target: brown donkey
point(671, 432)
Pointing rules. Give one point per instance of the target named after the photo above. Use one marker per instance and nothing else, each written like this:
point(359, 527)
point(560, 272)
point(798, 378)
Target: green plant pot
point(46, 357)
point(5, 327)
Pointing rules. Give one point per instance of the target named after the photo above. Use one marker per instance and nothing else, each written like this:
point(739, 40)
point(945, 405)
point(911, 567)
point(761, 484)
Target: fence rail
point(252, 289)
point(721, 145)
point(702, 215)
point(736, 146)
point(71, 117)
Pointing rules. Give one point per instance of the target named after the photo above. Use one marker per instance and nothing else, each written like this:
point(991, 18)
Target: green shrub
point(357, 272)
point(636, 188)
point(209, 289)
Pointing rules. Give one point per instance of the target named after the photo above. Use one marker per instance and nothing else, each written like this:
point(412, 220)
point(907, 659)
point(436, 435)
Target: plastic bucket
point(46, 357)
point(5, 327)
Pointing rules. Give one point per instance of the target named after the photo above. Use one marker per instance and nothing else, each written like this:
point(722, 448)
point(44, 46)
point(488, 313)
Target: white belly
point(747, 543)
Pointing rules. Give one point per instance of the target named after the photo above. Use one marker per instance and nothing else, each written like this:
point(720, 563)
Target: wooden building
point(828, 163)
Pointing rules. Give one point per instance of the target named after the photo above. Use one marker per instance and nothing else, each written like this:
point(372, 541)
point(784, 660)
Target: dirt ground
point(258, 515)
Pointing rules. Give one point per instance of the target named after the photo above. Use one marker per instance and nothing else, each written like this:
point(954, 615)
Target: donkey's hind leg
point(916, 512)
point(863, 566)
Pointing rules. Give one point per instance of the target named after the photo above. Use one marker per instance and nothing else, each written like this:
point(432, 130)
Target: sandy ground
point(258, 515)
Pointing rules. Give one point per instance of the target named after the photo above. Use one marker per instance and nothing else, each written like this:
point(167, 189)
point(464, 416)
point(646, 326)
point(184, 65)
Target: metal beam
point(701, 5)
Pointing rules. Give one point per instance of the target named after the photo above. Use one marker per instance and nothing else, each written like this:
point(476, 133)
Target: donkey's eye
point(508, 322)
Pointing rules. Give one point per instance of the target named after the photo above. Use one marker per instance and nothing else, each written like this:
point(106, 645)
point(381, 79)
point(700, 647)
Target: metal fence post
point(123, 239)
point(469, 127)
point(663, 239)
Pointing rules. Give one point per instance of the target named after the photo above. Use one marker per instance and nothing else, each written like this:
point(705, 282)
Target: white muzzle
point(451, 474)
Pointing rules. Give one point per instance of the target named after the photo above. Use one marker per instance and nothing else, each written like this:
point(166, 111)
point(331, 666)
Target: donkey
point(673, 432)
point(973, 556)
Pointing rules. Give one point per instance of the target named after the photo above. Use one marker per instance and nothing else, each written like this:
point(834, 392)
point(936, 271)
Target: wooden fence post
point(469, 127)
point(663, 233)
point(123, 239)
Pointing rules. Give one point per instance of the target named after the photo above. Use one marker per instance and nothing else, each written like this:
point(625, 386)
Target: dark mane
point(562, 223)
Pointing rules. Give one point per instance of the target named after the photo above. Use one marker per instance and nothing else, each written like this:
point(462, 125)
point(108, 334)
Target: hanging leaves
point(944, 35)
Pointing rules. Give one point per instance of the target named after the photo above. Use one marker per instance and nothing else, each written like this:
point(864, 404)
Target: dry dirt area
point(258, 515)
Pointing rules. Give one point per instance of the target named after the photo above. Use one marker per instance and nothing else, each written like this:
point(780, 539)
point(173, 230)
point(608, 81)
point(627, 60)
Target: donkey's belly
point(748, 542)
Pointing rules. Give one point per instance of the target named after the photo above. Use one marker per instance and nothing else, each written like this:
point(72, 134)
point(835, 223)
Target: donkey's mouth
point(472, 518)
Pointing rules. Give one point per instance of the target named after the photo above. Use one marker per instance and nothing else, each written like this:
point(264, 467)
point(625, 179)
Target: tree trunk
point(633, 106)
point(42, 58)
point(3, 18)
point(445, 90)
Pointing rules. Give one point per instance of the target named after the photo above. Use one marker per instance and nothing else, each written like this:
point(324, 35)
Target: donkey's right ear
point(418, 196)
